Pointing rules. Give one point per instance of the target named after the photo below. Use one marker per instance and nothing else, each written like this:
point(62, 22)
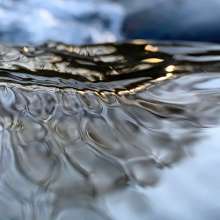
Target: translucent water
point(115, 131)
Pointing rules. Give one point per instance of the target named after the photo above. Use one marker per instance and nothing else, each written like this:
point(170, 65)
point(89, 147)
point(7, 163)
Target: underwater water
point(110, 131)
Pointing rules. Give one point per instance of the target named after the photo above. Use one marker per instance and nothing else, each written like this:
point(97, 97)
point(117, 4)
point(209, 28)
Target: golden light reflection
point(170, 68)
point(167, 76)
point(134, 90)
point(25, 49)
point(139, 41)
point(151, 48)
point(153, 60)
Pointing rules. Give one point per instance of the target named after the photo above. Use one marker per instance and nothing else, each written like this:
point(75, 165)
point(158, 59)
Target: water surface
point(113, 131)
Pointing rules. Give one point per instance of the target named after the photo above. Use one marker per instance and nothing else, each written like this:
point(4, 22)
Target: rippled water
point(116, 131)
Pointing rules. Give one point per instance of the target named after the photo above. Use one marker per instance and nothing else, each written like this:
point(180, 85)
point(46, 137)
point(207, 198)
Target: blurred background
point(95, 21)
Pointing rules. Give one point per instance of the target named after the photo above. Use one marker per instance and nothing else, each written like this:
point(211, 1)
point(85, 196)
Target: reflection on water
point(127, 131)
